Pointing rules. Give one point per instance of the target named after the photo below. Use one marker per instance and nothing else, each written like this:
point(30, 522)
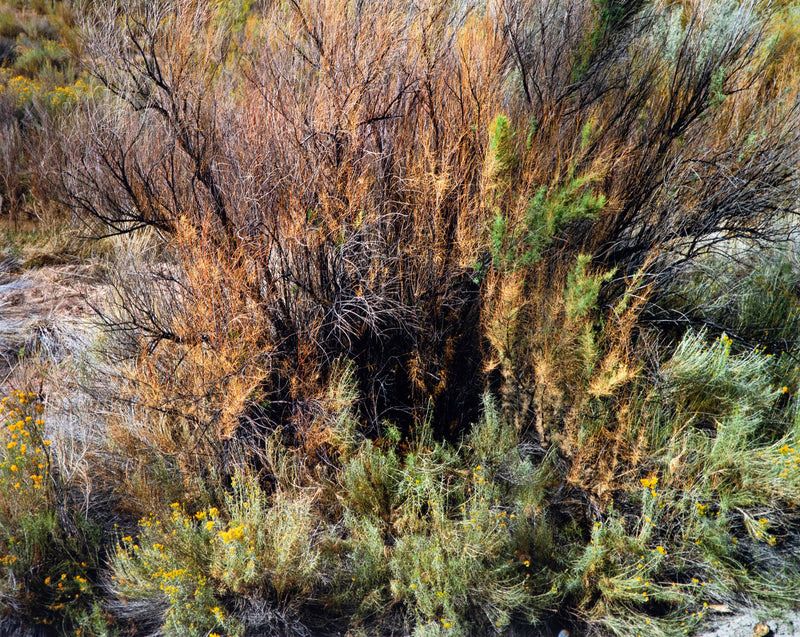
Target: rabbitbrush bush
point(49, 553)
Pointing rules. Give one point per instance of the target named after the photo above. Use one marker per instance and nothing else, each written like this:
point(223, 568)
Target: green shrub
point(460, 519)
point(712, 381)
point(9, 26)
point(167, 566)
point(268, 544)
point(548, 212)
point(32, 60)
point(190, 566)
point(461, 522)
point(753, 297)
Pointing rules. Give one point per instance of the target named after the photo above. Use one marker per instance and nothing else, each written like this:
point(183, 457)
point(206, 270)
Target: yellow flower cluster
point(25, 90)
point(790, 461)
point(232, 535)
point(650, 483)
point(24, 461)
point(62, 95)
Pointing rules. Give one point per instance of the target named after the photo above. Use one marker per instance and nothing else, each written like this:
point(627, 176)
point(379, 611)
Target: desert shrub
point(741, 440)
point(452, 563)
point(462, 529)
point(50, 553)
point(193, 568)
point(31, 61)
point(539, 185)
point(9, 26)
point(748, 294)
point(268, 544)
point(166, 567)
point(703, 527)
point(42, 27)
point(362, 216)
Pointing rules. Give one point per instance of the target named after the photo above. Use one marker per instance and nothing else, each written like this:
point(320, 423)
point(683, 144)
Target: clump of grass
point(54, 243)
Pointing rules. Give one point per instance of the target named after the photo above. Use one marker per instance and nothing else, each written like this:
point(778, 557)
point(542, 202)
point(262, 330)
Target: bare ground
point(42, 313)
point(754, 624)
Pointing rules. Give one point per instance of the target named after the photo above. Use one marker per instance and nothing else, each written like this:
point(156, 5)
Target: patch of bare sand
point(753, 624)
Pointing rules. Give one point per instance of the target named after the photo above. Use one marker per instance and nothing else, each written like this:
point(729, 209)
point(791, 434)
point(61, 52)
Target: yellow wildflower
point(649, 483)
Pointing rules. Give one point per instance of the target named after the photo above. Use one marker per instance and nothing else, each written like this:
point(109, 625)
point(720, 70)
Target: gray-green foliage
point(455, 521)
point(465, 520)
point(445, 530)
point(751, 296)
point(711, 380)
